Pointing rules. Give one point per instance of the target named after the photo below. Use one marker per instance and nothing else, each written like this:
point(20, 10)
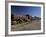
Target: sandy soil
point(34, 25)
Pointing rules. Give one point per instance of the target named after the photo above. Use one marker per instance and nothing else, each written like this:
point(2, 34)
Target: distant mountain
point(36, 18)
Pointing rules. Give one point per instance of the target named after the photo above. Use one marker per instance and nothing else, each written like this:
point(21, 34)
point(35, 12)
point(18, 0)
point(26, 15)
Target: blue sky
point(23, 10)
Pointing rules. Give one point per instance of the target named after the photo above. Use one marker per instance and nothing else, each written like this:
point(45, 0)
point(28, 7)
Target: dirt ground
point(34, 25)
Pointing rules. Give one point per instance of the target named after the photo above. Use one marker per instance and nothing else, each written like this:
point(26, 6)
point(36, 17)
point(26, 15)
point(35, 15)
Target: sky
point(23, 10)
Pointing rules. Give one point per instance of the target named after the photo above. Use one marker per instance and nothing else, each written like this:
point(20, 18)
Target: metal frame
point(6, 17)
